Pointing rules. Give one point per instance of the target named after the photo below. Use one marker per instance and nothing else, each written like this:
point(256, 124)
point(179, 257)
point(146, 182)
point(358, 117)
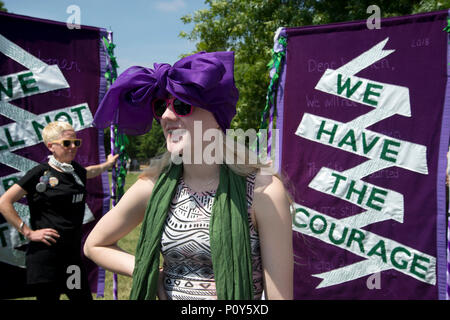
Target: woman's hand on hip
point(47, 236)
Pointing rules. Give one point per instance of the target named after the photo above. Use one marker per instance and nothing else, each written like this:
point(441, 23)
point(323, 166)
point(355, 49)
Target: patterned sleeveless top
point(185, 246)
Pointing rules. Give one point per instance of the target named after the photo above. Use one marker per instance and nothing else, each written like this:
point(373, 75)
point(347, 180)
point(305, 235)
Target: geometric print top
point(185, 246)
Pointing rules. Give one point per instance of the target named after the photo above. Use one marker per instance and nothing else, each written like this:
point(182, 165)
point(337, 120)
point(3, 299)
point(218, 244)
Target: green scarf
point(229, 237)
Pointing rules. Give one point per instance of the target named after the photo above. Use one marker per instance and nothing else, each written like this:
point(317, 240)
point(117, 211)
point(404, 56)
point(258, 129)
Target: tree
point(150, 144)
point(248, 26)
point(2, 7)
point(142, 147)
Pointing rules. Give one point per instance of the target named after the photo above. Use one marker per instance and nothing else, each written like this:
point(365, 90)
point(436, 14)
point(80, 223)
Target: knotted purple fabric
point(204, 80)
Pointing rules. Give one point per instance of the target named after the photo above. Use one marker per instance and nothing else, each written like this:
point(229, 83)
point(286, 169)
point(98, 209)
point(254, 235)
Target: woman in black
point(56, 196)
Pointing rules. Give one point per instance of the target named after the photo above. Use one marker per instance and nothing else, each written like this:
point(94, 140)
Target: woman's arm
point(274, 224)
point(101, 244)
point(14, 194)
point(95, 170)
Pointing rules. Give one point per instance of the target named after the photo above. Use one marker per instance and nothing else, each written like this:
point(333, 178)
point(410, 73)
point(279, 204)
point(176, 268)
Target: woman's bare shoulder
point(270, 197)
point(147, 180)
point(144, 184)
point(268, 184)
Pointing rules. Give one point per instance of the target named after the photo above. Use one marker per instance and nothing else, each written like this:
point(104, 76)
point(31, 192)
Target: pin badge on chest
point(42, 184)
point(53, 181)
point(41, 187)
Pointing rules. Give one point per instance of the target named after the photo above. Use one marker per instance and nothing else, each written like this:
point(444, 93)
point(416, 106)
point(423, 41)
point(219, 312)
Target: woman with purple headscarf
point(223, 228)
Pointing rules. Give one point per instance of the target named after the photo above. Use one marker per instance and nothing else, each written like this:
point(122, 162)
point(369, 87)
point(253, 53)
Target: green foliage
point(151, 143)
point(141, 147)
point(247, 27)
point(2, 7)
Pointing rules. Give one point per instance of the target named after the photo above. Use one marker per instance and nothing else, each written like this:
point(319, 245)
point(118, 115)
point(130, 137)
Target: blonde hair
point(54, 130)
point(240, 159)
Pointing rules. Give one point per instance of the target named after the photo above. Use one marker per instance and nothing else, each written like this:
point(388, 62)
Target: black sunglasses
point(180, 108)
point(66, 143)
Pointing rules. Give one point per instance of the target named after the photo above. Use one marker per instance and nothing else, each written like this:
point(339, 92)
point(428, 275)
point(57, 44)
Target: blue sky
point(145, 31)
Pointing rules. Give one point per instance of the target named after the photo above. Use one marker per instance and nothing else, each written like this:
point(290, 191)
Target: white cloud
point(170, 6)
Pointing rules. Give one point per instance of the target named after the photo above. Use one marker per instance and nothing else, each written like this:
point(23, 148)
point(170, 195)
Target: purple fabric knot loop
point(161, 71)
point(205, 80)
point(145, 85)
point(204, 73)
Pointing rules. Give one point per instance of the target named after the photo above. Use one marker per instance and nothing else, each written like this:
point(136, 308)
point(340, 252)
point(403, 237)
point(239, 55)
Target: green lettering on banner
point(337, 241)
point(8, 182)
point(367, 148)
point(415, 264)
point(9, 91)
point(2, 236)
point(336, 182)
point(64, 114)
point(373, 197)
point(29, 132)
point(382, 253)
point(311, 224)
point(37, 129)
point(360, 193)
point(25, 83)
point(357, 236)
point(386, 150)
point(299, 225)
point(349, 91)
point(394, 262)
point(10, 140)
point(349, 135)
point(322, 130)
point(369, 92)
point(79, 114)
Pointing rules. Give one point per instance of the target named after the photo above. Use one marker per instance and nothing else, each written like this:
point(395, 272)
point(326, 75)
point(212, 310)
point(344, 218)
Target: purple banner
point(363, 146)
point(48, 72)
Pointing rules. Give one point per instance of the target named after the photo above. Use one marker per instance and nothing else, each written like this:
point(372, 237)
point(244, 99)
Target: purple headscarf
point(204, 80)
